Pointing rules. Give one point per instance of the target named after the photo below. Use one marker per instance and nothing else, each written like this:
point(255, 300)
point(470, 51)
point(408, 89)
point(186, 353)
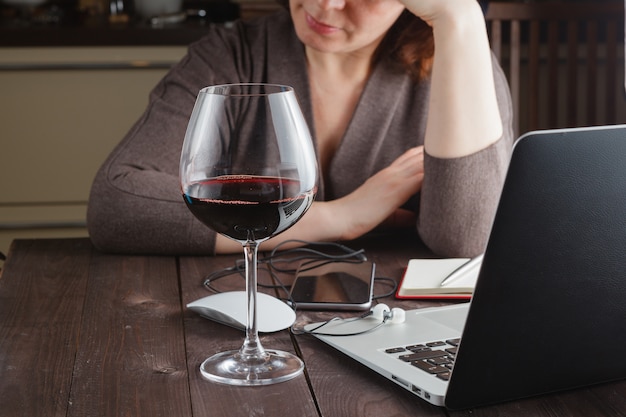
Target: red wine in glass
point(247, 207)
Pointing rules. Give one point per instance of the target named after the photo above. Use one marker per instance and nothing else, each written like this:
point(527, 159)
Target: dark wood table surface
point(89, 334)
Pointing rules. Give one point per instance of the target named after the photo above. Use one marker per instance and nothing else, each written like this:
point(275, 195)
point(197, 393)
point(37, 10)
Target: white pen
point(462, 270)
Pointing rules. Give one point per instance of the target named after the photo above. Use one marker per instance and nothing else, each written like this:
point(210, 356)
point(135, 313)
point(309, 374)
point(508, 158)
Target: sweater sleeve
point(136, 203)
point(459, 196)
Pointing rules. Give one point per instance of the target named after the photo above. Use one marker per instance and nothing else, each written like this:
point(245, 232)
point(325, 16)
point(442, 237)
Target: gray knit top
point(136, 204)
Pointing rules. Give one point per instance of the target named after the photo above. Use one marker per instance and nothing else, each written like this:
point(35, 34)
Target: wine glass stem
point(252, 350)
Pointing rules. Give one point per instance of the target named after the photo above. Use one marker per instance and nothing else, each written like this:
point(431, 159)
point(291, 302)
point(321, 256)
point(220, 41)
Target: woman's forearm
point(357, 213)
point(463, 111)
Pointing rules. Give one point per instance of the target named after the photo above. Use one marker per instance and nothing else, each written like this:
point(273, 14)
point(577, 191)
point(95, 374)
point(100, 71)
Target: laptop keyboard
point(436, 358)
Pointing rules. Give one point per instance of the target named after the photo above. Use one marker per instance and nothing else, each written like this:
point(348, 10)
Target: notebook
point(548, 309)
point(446, 278)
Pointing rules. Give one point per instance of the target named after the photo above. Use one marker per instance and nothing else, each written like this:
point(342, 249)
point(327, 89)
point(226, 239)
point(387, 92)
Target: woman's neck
point(350, 68)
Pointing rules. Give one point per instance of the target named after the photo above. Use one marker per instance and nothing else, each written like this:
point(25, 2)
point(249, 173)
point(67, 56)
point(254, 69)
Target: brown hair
point(409, 43)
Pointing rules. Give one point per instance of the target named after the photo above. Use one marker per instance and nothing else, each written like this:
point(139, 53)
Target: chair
point(564, 61)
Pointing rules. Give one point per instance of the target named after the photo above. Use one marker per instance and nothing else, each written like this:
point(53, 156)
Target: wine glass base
point(230, 368)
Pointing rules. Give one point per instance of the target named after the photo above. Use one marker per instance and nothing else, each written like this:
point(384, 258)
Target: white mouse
point(230, 308)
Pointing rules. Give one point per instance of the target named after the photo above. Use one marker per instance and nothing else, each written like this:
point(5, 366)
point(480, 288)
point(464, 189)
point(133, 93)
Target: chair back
point(564, 61)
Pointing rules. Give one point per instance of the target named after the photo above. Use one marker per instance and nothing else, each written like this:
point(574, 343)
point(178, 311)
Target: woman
point(410, 117)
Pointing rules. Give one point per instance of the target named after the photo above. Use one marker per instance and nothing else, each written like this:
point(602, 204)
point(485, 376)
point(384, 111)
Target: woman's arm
point(359, 212)
point(135, 204)
point(468, 134)
point(463, 111)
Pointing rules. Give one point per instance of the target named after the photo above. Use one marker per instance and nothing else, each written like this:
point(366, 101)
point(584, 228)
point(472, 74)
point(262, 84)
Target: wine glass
point(248, 171)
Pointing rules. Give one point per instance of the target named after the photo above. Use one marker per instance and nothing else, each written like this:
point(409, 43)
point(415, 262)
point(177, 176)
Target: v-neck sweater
point(136, 203)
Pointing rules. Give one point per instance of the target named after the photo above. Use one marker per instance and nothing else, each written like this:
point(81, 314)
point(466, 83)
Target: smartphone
point(334, 286)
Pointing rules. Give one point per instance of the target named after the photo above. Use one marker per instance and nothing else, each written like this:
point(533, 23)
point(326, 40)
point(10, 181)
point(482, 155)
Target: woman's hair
point(408, 43)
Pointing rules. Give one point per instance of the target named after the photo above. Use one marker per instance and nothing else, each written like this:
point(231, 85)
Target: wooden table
point(89, 334)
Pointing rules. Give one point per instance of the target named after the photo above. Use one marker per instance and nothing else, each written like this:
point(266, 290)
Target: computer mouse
point(230, 308)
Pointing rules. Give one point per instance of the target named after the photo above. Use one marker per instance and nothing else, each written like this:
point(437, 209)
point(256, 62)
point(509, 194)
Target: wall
point(62, 110)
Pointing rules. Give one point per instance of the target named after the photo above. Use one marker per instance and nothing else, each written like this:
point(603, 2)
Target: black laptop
point(549, 309)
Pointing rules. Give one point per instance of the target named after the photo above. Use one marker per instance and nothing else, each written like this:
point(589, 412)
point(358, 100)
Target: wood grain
point(42, 293)
point(131, 357)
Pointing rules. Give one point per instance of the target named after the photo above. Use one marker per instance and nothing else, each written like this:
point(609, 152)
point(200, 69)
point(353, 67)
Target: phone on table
point(334, 286)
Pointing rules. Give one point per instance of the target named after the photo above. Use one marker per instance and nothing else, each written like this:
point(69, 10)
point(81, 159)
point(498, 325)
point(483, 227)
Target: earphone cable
point(308, 259)
point(315, 331)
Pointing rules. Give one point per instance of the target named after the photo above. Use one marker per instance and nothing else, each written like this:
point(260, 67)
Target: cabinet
point(62, 110)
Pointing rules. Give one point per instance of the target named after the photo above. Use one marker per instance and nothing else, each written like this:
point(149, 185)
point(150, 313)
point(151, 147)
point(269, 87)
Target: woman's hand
point(378, 200)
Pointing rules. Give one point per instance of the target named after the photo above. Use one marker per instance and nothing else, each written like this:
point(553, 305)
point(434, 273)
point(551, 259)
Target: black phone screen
point(337, 285)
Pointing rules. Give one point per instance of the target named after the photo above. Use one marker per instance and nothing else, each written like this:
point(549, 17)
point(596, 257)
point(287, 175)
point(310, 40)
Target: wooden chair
point(564, 61)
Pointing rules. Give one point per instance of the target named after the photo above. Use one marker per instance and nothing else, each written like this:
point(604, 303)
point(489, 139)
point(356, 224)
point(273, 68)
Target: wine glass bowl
point(248, 171)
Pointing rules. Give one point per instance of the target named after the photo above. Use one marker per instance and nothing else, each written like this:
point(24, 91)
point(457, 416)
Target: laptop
point(549, 308)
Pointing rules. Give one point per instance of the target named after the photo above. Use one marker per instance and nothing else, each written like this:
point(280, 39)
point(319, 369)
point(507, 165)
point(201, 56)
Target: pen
point(462, 270)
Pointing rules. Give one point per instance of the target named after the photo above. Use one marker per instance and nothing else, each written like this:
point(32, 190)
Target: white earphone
point(380, 313)
point(383, 313)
